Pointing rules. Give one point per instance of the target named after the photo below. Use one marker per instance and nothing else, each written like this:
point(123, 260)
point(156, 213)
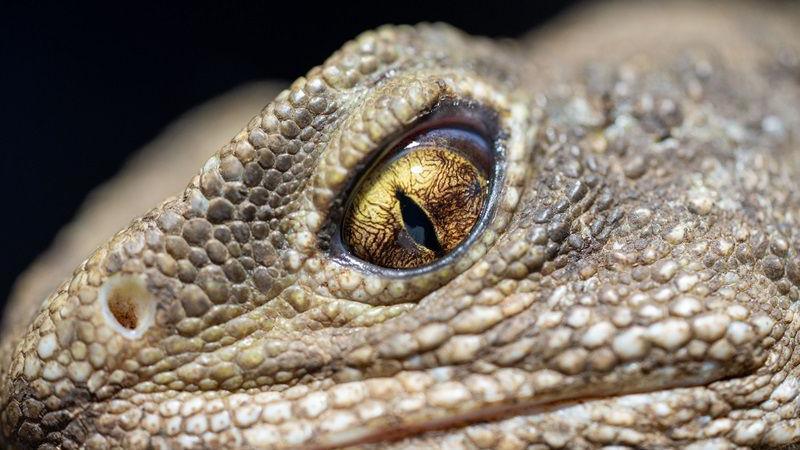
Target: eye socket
point(421, 200)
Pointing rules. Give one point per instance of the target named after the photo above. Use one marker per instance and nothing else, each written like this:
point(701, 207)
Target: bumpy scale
point(636, 284)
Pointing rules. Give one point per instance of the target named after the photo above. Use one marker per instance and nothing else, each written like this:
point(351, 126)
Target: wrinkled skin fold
point(635, 284)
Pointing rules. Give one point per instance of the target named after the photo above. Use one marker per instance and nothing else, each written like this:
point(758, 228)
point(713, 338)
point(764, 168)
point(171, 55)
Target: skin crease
point(635, 285)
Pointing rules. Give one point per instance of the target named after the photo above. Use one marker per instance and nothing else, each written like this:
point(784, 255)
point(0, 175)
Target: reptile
point(584, 238)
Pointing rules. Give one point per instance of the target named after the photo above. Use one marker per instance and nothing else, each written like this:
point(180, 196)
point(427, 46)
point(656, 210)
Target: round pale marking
point(127, 306)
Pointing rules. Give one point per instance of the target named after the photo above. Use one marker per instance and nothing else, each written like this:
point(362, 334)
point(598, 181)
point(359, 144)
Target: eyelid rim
point(482, 158)
point(448, 112)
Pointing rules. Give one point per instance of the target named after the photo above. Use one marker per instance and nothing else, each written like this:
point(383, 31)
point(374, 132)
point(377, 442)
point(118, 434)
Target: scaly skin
point(636, 285)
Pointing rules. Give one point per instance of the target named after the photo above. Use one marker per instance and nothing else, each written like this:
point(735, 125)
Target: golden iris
point(415, 208)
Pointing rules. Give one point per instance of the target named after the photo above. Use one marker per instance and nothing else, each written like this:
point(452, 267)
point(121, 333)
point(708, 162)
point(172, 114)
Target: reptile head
point(629, 276)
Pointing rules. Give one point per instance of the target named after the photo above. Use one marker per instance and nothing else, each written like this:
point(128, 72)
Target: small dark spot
point(30, 432)
point(604, 200)
point(558, 231)
point(258, 196)
point(234, 192)
point(56, 419)
point(744, 253)
point(597, 226)
point(220, 210)
point(197, 231)
point(252, 174)
point(577, 191)
point(773, 267)
point(283, 162)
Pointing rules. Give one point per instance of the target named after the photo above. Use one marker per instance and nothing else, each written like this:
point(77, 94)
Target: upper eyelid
point(396, 106)
point(362, 135)
point(477, 147)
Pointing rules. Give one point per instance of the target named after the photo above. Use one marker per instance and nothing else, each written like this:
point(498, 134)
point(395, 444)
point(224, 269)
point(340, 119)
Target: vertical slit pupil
point(417, 224)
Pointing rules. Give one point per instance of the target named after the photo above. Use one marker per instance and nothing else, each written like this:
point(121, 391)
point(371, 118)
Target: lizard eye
point(421, 200)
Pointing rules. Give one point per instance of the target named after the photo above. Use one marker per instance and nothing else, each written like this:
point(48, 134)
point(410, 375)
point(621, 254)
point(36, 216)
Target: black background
point(85, 86)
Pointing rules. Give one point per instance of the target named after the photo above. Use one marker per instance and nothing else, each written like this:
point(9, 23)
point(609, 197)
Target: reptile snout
point(64, 364)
